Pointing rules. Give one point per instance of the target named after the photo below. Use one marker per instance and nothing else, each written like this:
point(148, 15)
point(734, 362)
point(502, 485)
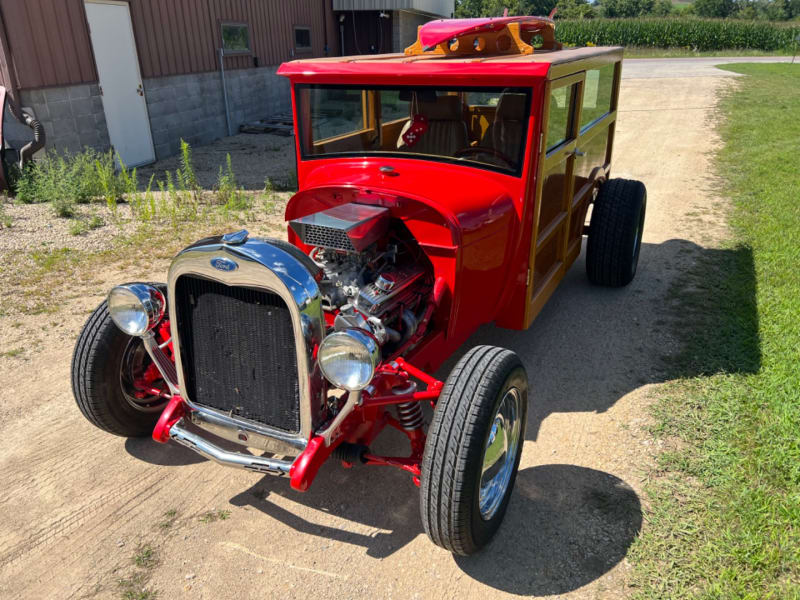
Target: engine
point(375, 276)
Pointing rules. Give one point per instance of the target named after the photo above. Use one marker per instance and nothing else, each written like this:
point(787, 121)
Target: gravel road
point(78, 503)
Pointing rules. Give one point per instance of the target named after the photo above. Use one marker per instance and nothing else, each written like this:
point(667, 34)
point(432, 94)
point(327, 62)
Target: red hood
point(469, 202)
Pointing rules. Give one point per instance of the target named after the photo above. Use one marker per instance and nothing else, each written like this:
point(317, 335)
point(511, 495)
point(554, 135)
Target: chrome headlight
point(136, 307)
point(348, 358)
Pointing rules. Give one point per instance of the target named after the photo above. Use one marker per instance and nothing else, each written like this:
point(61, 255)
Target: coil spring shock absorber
point(409, 414)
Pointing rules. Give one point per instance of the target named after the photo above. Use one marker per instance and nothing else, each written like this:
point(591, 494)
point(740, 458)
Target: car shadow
point(381, 498)
point(591, 345)
point(565, 527)
point(165, 455)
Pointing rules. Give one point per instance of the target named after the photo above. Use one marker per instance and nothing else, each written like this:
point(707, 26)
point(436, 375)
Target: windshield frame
point(517, 172)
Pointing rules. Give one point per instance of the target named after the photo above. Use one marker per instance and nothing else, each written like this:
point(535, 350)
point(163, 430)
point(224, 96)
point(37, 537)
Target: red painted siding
point(48, 40)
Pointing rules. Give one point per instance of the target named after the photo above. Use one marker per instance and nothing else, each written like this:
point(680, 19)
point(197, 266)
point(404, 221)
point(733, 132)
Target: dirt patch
point(255, 158)
point(78, 502)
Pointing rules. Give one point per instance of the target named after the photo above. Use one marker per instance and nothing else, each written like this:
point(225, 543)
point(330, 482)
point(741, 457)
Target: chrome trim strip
point(259, 464)
point(256, 435)
point(265, 267)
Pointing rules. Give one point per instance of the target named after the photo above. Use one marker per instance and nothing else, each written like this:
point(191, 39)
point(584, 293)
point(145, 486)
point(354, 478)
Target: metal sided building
point(142, 74)
point(139, 75)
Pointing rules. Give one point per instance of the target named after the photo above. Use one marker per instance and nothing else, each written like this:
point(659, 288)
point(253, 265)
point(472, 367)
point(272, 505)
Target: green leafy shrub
point(698, 34)
point(65, 179)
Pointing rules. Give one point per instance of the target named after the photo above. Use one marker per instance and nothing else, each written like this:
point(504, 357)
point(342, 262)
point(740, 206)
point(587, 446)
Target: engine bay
point(375, 276)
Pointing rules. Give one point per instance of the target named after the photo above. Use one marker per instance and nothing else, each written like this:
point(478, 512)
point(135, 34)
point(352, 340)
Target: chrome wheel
point(500, 454)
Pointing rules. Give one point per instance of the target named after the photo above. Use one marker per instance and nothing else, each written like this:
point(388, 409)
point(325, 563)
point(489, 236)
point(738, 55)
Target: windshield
point(483, 127)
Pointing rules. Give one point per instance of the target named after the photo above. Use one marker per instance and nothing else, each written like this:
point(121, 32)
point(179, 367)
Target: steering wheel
point(484, 150)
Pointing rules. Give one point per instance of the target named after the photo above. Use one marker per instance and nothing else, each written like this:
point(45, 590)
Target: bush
point(698, 34)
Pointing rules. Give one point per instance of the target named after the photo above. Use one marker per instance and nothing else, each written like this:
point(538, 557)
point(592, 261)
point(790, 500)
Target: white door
point(121, 83)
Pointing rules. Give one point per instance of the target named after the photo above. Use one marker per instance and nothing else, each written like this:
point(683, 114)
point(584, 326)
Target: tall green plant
point(229, 194)
point(698, 34)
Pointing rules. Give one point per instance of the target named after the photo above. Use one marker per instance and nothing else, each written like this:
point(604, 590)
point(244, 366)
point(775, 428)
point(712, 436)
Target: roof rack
point(484, 36)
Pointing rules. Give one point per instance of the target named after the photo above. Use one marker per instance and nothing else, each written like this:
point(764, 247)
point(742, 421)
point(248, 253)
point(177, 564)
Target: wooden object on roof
point(483, 37)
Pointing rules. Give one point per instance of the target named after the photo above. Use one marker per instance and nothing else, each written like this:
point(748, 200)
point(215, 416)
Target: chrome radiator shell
point(255, 263)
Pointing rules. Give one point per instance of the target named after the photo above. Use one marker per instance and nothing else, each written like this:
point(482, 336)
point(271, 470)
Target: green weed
point(145, 557)
point(215, 515)
point(168, 519)
point(133, 588)
point(5, 220)
point(229, 194)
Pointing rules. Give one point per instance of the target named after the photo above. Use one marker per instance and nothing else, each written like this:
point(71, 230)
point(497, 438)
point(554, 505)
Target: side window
point(559, 121)
point(337, 112)
point(392, 107)
point(597, 94)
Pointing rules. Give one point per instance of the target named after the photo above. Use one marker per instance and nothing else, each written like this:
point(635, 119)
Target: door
point(579, 118)
point(120, 81)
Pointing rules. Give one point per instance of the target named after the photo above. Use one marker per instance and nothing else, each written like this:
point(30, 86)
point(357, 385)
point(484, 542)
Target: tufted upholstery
point(505, 134)
point(447, 131)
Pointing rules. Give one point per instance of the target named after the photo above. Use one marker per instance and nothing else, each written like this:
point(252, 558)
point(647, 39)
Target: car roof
point(401, 69)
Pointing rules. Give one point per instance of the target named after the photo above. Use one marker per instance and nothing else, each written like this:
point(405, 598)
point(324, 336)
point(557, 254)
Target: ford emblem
point(223, 264)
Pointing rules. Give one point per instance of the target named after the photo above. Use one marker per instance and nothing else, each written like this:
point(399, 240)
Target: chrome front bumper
point(259, 464)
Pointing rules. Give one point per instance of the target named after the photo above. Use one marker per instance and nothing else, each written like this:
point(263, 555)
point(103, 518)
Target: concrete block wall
point(404, 28)
point(192, 107)
point(72, 116)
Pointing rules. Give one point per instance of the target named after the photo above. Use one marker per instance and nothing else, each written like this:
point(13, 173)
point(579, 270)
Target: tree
point(626, 8)
point(662, 8)
point(714, 8)
point(574, 9)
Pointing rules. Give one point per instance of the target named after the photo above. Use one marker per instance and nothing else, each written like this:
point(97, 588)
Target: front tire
point(615, 232)
point(104, 365)
point(473, 449)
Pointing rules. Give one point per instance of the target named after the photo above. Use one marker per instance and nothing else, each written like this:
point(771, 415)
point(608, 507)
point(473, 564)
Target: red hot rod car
point(439, 189)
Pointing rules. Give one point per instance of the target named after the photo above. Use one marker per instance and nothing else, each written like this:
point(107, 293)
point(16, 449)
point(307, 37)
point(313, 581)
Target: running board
point(258, 464)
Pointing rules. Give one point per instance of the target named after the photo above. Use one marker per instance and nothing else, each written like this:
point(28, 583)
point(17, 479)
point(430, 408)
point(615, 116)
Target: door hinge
point(528, 278)
point(541, 139)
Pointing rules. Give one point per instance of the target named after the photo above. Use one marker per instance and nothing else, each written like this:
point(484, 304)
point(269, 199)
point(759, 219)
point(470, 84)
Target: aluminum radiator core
point(350, 227)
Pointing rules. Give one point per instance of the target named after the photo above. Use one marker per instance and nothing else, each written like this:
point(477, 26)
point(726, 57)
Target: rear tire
point(479, 420)
point(615, 232)
point(97, 382)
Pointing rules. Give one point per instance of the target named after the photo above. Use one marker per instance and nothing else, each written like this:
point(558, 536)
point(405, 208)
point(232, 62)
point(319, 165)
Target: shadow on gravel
point(167, 455)
point(379, 498)
point(565, 527)
point(591, 346)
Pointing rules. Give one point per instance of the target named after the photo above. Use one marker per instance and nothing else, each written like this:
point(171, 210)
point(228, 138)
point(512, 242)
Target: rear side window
point(597, 94)
point(559, 121)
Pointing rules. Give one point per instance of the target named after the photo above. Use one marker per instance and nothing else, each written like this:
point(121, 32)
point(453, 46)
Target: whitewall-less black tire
point(473, 449)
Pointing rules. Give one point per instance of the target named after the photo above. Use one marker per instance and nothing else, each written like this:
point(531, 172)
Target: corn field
point(696, 34)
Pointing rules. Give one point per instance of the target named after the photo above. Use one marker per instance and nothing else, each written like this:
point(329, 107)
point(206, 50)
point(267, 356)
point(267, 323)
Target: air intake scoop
point(350, 227)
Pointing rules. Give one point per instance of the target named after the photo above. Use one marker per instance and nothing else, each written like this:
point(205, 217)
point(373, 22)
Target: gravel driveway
point(80, 504)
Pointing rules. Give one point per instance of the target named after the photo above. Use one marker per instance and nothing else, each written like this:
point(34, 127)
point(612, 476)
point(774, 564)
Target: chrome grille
point(238, 351)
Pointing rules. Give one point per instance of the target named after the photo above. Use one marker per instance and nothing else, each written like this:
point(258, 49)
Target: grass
point(724, 516)
point(134, 588)
point(168, 520)
point(145, 557)
point(215, 515)
point(646, 52)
